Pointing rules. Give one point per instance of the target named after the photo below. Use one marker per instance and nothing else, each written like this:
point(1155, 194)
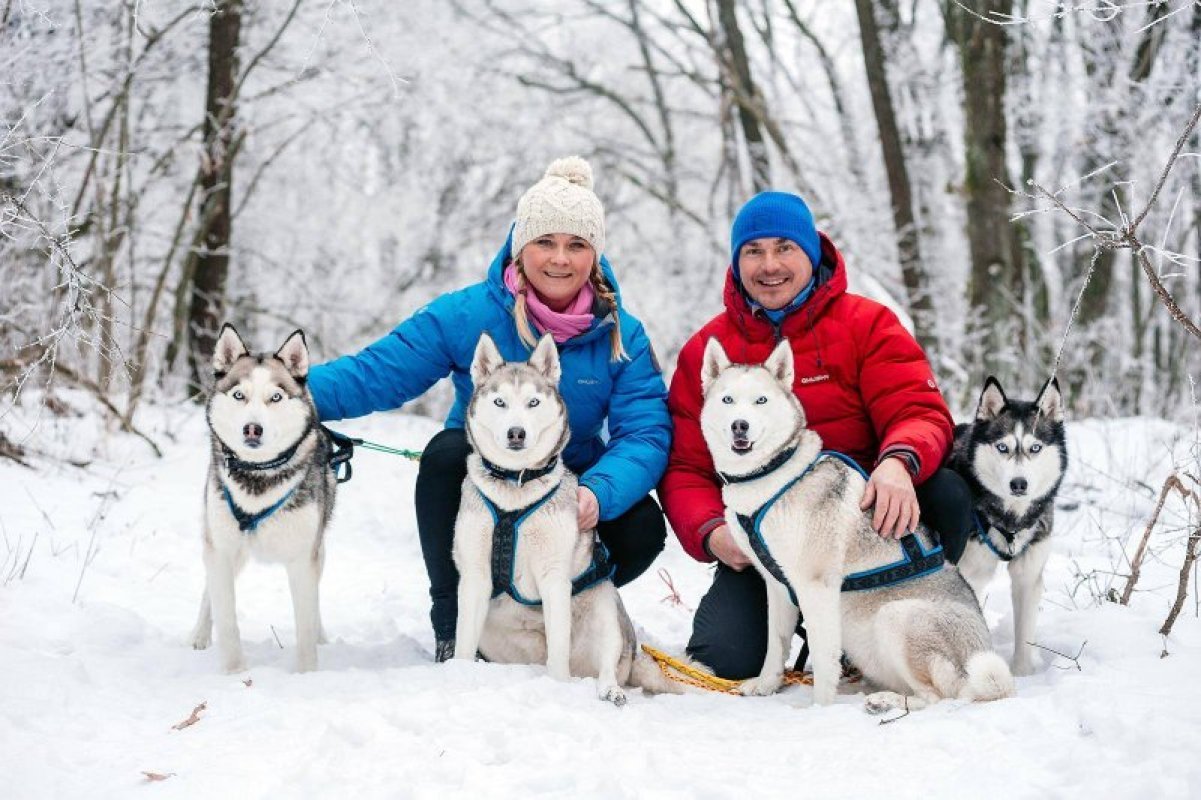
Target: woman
point(549, 277)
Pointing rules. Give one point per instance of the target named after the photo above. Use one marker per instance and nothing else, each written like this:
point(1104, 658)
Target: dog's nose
point(1018, 486)
point(516, 436)
point(740, 427)
point(252, 430)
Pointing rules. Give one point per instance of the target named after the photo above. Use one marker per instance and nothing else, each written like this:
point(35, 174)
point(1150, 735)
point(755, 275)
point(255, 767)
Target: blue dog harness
point(915, 560)
point(248, 522)
point(506, 528)
point(981, 534)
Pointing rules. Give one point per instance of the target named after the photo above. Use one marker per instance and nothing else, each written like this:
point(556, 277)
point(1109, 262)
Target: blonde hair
point(604, 291)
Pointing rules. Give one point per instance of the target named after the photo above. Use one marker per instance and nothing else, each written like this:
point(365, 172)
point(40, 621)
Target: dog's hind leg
point(322, 638)
point(1026, 577)
point(202, 634)
point(303, 574)
point(781, 622)
point(609, 647)
point(221, 570)
point(555, 590)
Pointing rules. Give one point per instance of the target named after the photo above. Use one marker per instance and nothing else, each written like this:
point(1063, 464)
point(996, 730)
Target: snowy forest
point(994, 171)
point(1019, 180)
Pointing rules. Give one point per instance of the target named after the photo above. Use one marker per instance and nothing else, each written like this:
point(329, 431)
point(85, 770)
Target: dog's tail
point(646, 674)
point(988, 677)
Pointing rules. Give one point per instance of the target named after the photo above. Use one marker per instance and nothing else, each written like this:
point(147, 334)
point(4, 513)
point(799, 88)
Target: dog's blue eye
point(237, 395)
point(498, 403)
point(275, 398)
point(727, 400)
point(534, 402)
point(1002, 447)
point(1036, 447)
point(760, 401)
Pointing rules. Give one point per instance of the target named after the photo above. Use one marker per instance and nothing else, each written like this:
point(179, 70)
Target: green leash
point(343, 451)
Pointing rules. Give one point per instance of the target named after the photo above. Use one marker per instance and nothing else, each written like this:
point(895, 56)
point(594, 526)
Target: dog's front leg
point(555, 590)
point(475, 590)
point(202, 634)
point(221, 571)
point(781, 624)
point(822, 603)
point(303, 575)
point(1026, 579)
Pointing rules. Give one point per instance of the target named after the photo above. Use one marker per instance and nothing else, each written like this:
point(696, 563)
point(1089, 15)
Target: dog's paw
point(882, 702)
point(201, 640)
point(613, 694)
point(824, 692)
point(761, 686)
point(232, 660)
point(1023, 667)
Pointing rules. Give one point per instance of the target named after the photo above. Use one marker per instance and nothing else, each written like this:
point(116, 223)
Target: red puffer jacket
point(862, 379)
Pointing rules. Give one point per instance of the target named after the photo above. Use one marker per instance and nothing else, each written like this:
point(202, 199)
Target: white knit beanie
point(562, 202)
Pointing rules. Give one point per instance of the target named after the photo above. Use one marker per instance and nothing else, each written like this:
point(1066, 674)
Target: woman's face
point(557, 266)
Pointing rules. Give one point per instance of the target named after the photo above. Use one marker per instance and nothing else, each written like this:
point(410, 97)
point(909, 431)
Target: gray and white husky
point(516, 600)
point(919, 640)
point(270, 489)
point(1013, 456)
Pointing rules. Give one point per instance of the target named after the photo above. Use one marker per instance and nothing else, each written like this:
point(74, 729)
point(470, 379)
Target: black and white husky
point(908, 621)
point(270, 489)
point(1013, 456)
point(533, 587)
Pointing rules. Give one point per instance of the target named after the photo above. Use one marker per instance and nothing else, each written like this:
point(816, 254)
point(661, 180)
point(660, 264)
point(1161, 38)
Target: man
point(867, 390)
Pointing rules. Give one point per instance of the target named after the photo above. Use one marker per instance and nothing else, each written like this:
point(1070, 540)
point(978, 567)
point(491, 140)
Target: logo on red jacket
point(825, 376)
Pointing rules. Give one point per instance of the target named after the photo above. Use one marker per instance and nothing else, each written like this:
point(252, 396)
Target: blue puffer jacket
point(440, 339)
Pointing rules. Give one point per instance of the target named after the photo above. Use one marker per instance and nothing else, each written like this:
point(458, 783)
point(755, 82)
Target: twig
point(153, 777)
point(1074, 659)
point(1190, 556)
point(192, 719)
point(1173, 482)
point(891, 720)
point(673, 596)
point(276, 635)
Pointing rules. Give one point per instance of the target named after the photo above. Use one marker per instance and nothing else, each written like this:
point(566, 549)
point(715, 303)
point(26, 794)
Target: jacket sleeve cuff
point(706, 531)
point(908, 456)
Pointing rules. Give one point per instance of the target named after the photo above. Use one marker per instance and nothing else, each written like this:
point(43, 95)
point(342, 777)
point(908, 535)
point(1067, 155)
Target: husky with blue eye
point(270, 489)
point(1013, 456)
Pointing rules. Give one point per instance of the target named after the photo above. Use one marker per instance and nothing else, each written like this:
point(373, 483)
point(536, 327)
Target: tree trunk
point(746, 94)
point(900, 190)
point(995, 286)
point(207, 300)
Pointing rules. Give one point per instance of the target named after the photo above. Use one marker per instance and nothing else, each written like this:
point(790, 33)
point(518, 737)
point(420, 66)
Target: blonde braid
point(520, 318)
point(617, 351)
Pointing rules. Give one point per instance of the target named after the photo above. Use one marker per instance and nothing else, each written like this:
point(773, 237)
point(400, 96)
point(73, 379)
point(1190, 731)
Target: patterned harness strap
point(915, 560)
point(981, 533)
point(506, 528)
point(249, 521)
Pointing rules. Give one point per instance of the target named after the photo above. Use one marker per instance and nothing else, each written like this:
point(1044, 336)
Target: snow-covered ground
point(101, 576)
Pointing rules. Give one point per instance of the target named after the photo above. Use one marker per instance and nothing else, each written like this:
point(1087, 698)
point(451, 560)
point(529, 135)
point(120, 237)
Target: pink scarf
point(561, 325)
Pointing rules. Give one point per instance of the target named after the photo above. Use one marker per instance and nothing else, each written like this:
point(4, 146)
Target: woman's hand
point(721, 544)
point(890, 489)
point(589, 511)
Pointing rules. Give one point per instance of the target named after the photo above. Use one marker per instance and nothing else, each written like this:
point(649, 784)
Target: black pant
point(634, 539)
point(729, 631)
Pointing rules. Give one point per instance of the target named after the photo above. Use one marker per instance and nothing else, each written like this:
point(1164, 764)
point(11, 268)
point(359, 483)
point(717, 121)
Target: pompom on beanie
point(775, 215)
point(562, 202)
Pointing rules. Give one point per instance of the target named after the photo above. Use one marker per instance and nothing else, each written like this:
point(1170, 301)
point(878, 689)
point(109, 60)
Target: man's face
point(773, 271)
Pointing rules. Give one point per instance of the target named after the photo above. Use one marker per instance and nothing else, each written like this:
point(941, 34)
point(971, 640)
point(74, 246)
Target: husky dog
point(907, 621)
point(533, 587)
point(270, 489)
point(1013, 456)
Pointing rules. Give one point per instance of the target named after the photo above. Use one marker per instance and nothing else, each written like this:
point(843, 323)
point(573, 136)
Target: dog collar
point(982, 527)
point(235, 464)
point(519, 476)
point(770, 466)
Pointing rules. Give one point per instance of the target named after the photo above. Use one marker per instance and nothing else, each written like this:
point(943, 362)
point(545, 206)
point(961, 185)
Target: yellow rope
point(682, 672)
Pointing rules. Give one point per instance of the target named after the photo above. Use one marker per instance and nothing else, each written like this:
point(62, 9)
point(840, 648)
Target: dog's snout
point(740, 427)
point(252, 430)
point(1018, 486)
point(516, 436)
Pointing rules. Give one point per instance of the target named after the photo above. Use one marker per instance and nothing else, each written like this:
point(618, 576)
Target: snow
point(93, 685)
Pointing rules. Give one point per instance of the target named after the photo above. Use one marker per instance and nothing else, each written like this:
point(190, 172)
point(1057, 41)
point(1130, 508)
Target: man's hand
point(721, 544)
point(589, 512)
point(890, 489)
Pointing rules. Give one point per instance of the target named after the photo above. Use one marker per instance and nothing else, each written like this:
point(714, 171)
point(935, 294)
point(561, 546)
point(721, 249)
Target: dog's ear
point(295, 355)
point(545, 358)
point(487, 359)
point(780, 364)
point(716, 361)
point(1050, 401)
point(992, 400)
point(229, 349)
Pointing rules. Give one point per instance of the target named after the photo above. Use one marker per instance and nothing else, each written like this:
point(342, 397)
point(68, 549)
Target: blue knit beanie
point(775, 215)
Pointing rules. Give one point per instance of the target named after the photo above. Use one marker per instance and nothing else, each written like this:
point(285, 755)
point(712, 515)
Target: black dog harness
point(506, 528)
point(915, 560)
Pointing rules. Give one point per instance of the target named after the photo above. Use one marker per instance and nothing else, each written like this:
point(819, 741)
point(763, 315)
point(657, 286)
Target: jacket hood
point(831, 279)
